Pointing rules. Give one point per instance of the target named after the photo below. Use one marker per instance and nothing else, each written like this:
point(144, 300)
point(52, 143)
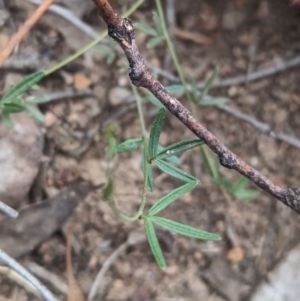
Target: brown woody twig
point(122, 31)
point(23, 31)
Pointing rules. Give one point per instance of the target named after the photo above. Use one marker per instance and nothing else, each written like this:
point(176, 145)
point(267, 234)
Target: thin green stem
point(204, 148)
point(138, 100)
point(76, 54)
point(210, 164)
point(174, 56)
point(92, 44)
point(133, 8)
point(143, 202)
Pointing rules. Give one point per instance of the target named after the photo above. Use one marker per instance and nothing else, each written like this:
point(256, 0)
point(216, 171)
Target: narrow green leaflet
point(241, 184)
point(212, 101)
point(146, 29)
point(155, 133)
point(151, 178)
point(172, 158)
point(225, 183)
point(174, 172)
point(179, 147)
point(245, 194)
point(152, 43)
point(210, 81)
point(158, 24)
point(35, 113)
point(154, 100)
point(154, 244)
point(176, 90)
point(184, 229)
point(21, 87)
point(171, 197)
point(7, 120)
point(38, 99)
point(129, 145)
point(13, 108)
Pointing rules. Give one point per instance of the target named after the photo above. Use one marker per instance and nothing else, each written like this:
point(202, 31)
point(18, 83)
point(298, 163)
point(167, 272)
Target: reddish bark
point(122, 31)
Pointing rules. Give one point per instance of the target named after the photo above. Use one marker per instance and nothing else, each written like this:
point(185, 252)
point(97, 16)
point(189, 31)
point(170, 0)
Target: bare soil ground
point(256, 234)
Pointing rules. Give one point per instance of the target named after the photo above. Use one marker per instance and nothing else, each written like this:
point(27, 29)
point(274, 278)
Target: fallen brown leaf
point(39, 221)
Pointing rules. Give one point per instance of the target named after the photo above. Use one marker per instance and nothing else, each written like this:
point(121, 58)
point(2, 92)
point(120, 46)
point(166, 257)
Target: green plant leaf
point(146, 29)
point(245, 194)
point(241, 184)
point(158, 24)
point(21, 87)
point(154, 100)
point(212, 101)
point(129, 145)
point(151, 183)
point(35, 87)
point(155, 131)
point(184, 229)
point(175, 89)
point(194, 89)
point(179, 147)
point(35, 113)
point(174, 172)
point(153, 42)
point(154, 244)
point(225, 183)
point(38, 99)
point(172, 158)
point(171, 197)
point(210, 81)
point(13, 108)
point(7, 120)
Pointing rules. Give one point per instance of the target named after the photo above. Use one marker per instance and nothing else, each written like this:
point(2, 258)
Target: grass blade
point(175, 172)
point(129, 145)
point(171, 197)
point(154, 244)
point(184, 229)
point(21, 87)
point(155, 132)
point(179, 147)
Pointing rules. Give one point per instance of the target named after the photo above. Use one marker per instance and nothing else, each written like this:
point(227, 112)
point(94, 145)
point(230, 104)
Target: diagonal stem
point(122, 31)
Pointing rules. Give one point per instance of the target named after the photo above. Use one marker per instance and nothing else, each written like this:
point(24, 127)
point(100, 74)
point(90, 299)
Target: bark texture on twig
point(122, 31)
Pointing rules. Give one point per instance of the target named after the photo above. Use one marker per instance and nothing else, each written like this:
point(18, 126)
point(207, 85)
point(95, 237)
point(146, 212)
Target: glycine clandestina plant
point(164, 158)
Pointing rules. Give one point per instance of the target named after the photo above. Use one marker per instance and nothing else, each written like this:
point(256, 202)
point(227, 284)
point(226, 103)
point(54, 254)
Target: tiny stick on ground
point(23, 31)
point(122, 31)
